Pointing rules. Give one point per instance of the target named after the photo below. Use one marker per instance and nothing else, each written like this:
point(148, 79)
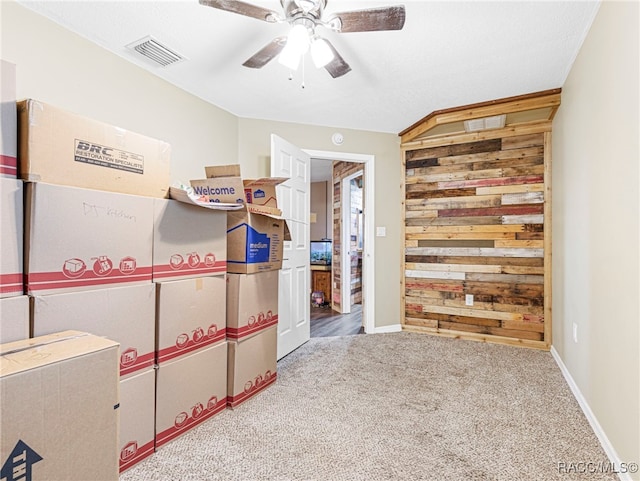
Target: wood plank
point(473, 252)
point(502, 211)
point(527, 244)
point(457, 149)
point(497, 155)
point(420, 274)
point(547, 240)
point(488, 228)
point(418, 163)
point(471, 312)
point(510, 189)
point(523, 198)
point(412, 321)
point(523, 219)
point(422, 233)
point(457, 202)
point(497, 260)
point(452, 221)
point(490, 182)
point(469, 336)
point(451, 180)
point(414, 191)
point(524, 326)
point(495, 269)
point(506, 278)
point(523, 141)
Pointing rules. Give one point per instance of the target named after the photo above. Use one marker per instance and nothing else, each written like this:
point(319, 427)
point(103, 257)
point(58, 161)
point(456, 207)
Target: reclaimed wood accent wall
point(341, 170)
point(475, 226)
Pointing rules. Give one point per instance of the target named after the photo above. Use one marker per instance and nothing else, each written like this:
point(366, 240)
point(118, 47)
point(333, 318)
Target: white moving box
point(59, 408)
point(78, 239)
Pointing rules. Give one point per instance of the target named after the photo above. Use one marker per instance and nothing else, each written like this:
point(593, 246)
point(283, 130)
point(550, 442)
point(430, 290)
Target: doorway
point(366, 228)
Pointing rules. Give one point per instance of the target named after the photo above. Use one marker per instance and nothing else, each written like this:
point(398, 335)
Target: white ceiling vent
point(485, 123)
point(153, 50)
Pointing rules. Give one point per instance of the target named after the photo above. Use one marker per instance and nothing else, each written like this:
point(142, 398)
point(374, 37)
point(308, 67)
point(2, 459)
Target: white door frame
point(345, 254)
point(368, 266)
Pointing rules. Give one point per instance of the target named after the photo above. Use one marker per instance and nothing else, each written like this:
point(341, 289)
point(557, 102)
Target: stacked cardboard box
point(14, 306)
point(60, 408)
point(9, 137)
point(256, 238)
point(191, 352)
point(89, 225)
point(189, 266)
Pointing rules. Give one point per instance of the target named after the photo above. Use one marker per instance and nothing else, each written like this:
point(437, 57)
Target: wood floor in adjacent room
point(326, 322)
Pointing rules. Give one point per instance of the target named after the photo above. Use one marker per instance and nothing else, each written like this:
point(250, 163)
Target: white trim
point(345, 261)
point(593, 421)
point(387, 329)
point(368, 255)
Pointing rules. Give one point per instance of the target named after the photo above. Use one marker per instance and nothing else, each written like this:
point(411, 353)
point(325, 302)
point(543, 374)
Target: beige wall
point(596, 225)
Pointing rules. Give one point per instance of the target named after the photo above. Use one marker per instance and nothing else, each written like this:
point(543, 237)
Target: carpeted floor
point(399, 406)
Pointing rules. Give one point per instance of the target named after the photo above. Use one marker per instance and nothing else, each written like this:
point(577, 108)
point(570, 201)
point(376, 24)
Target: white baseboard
point(593, 421)
point(385, 329)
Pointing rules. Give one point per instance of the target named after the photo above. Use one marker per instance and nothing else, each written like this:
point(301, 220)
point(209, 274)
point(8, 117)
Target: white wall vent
point(485, 123)
point(153, 50)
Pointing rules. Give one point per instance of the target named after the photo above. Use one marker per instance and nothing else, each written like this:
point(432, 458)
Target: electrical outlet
point(468, 299)
point(575, 332)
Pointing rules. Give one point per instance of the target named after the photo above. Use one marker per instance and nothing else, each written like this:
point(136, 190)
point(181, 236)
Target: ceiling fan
point(304, 16)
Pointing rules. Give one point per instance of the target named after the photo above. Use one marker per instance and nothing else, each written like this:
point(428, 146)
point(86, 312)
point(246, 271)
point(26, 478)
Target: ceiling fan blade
point(267, 53)
point(243, 8)
point(368, 20)
point(337, 67)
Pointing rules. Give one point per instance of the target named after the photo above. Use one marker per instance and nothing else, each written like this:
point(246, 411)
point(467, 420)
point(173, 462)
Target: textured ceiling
point(449, 53)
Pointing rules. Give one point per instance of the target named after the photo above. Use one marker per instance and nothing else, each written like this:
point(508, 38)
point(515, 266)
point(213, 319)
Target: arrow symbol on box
point(18, 465)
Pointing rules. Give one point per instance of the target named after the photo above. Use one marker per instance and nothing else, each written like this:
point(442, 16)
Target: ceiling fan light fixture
point(298, 39)
point(289, 57)
point(321, 53)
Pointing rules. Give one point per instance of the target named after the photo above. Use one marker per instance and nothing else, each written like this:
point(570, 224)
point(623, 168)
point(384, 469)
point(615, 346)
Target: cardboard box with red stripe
point(190, 316)
point(188, 241)
point(11, 246)
point(252, 366)
point(8, 121)
point(137, 418)
point(78, 239)
point(14, 319)
point(124, 314)
point(252, 303)
point(189, 391)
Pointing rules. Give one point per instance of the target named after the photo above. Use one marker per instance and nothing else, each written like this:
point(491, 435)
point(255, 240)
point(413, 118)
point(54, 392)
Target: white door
point(287, 160)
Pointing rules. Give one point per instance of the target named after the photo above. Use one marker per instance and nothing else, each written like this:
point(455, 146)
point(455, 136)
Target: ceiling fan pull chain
point(304, 56)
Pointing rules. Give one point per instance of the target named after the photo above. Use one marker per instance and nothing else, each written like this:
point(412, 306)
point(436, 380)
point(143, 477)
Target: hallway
point(326, 322)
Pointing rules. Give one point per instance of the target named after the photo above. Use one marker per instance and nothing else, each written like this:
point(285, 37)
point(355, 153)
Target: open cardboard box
point(255, 239)
point(223, 184)
point(263, 191)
